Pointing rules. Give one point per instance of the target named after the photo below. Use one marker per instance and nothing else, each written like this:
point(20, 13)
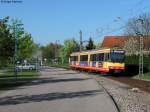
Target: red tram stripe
point(98, 69)
point(91, 68)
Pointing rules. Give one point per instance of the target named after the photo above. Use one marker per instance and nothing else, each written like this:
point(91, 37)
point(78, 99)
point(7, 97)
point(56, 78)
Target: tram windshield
point(117, 56)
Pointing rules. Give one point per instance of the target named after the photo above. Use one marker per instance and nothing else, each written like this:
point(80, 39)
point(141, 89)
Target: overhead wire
point(120, 28)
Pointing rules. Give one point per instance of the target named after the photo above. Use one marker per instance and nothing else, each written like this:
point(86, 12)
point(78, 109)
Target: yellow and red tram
point(100, 60)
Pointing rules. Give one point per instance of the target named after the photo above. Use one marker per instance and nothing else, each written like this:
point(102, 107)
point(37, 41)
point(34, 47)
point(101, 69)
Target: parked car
point(26, 67)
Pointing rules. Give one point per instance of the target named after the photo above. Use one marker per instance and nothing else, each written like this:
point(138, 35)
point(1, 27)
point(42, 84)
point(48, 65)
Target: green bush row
point(134, 60)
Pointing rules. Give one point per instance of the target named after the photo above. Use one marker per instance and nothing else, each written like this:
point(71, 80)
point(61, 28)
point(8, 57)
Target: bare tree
point(131, 46)
point(132, 26)
point(98, 45)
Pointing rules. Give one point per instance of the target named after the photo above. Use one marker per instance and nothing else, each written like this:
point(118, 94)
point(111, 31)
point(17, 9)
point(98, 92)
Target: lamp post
point(15, 28)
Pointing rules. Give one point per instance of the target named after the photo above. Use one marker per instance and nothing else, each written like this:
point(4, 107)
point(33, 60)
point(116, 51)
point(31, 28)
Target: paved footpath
point(58, 90)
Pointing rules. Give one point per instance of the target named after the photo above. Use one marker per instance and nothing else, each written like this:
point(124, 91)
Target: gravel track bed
point(128, 99)
point(142, 84)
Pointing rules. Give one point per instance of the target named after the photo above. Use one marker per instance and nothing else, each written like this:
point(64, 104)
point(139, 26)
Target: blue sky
point(51, 20)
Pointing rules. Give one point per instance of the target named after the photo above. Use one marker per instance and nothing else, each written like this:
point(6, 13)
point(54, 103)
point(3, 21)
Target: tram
point(100, 60)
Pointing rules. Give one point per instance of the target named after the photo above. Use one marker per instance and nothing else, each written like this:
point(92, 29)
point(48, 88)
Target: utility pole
point(141, 43)
point(80, 40)
point(56, 50)
point(141, 56)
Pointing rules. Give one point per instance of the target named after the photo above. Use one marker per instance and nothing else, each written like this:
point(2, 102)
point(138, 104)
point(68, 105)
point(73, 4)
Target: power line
point(101, 30)
point(137, 10)
point(113, 30)
point(118, 29)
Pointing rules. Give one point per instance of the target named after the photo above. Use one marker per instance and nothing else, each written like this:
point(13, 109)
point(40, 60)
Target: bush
point(134, 61)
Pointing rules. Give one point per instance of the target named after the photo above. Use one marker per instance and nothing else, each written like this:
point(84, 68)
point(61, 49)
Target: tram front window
point(117, 56)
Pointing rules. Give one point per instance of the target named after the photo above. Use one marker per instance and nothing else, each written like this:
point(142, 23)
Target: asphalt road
point(58, 90)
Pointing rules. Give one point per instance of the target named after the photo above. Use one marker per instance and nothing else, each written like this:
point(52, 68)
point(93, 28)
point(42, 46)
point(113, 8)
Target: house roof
point(119, 41)
point(114, 41)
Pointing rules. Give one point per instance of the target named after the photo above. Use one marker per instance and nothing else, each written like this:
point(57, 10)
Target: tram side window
point(84, 58)
point(74, 58)
point(107, 57)
point(71, 58)
point(93, 57)
point(100, 57)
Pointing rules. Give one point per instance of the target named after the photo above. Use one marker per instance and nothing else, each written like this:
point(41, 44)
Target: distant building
point(122, 42)
point(119, 41)
point(114, 41)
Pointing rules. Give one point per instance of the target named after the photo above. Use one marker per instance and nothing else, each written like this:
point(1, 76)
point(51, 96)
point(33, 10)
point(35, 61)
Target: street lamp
point(16, 30)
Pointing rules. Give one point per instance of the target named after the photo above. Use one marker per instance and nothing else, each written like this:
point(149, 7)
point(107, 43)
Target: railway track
point(141, 84)
point(123, 99)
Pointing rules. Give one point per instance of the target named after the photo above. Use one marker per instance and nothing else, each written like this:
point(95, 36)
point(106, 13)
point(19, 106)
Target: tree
point(133, 26)
point(90, 44)
point(70, 45)
point(131, 46)
point(50, 51)
point(26, 46)
point(137, 25)
point(25, 43)
point(9, 32)
point(98, 45)
point(6, 43)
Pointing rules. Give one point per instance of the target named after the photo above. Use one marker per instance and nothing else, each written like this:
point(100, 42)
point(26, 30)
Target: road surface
point(58, 90)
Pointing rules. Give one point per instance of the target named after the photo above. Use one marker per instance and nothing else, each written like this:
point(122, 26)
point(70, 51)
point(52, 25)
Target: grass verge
point(66, 66)
point(146, 76)
point(8, 81)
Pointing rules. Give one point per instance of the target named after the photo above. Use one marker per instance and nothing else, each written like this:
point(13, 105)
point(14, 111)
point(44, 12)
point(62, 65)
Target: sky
point(58, 20)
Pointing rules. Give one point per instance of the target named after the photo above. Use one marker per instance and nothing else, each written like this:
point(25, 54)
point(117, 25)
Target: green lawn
point(7, 79)
point(66, 66)
point(146, 76)
point(10, 74)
